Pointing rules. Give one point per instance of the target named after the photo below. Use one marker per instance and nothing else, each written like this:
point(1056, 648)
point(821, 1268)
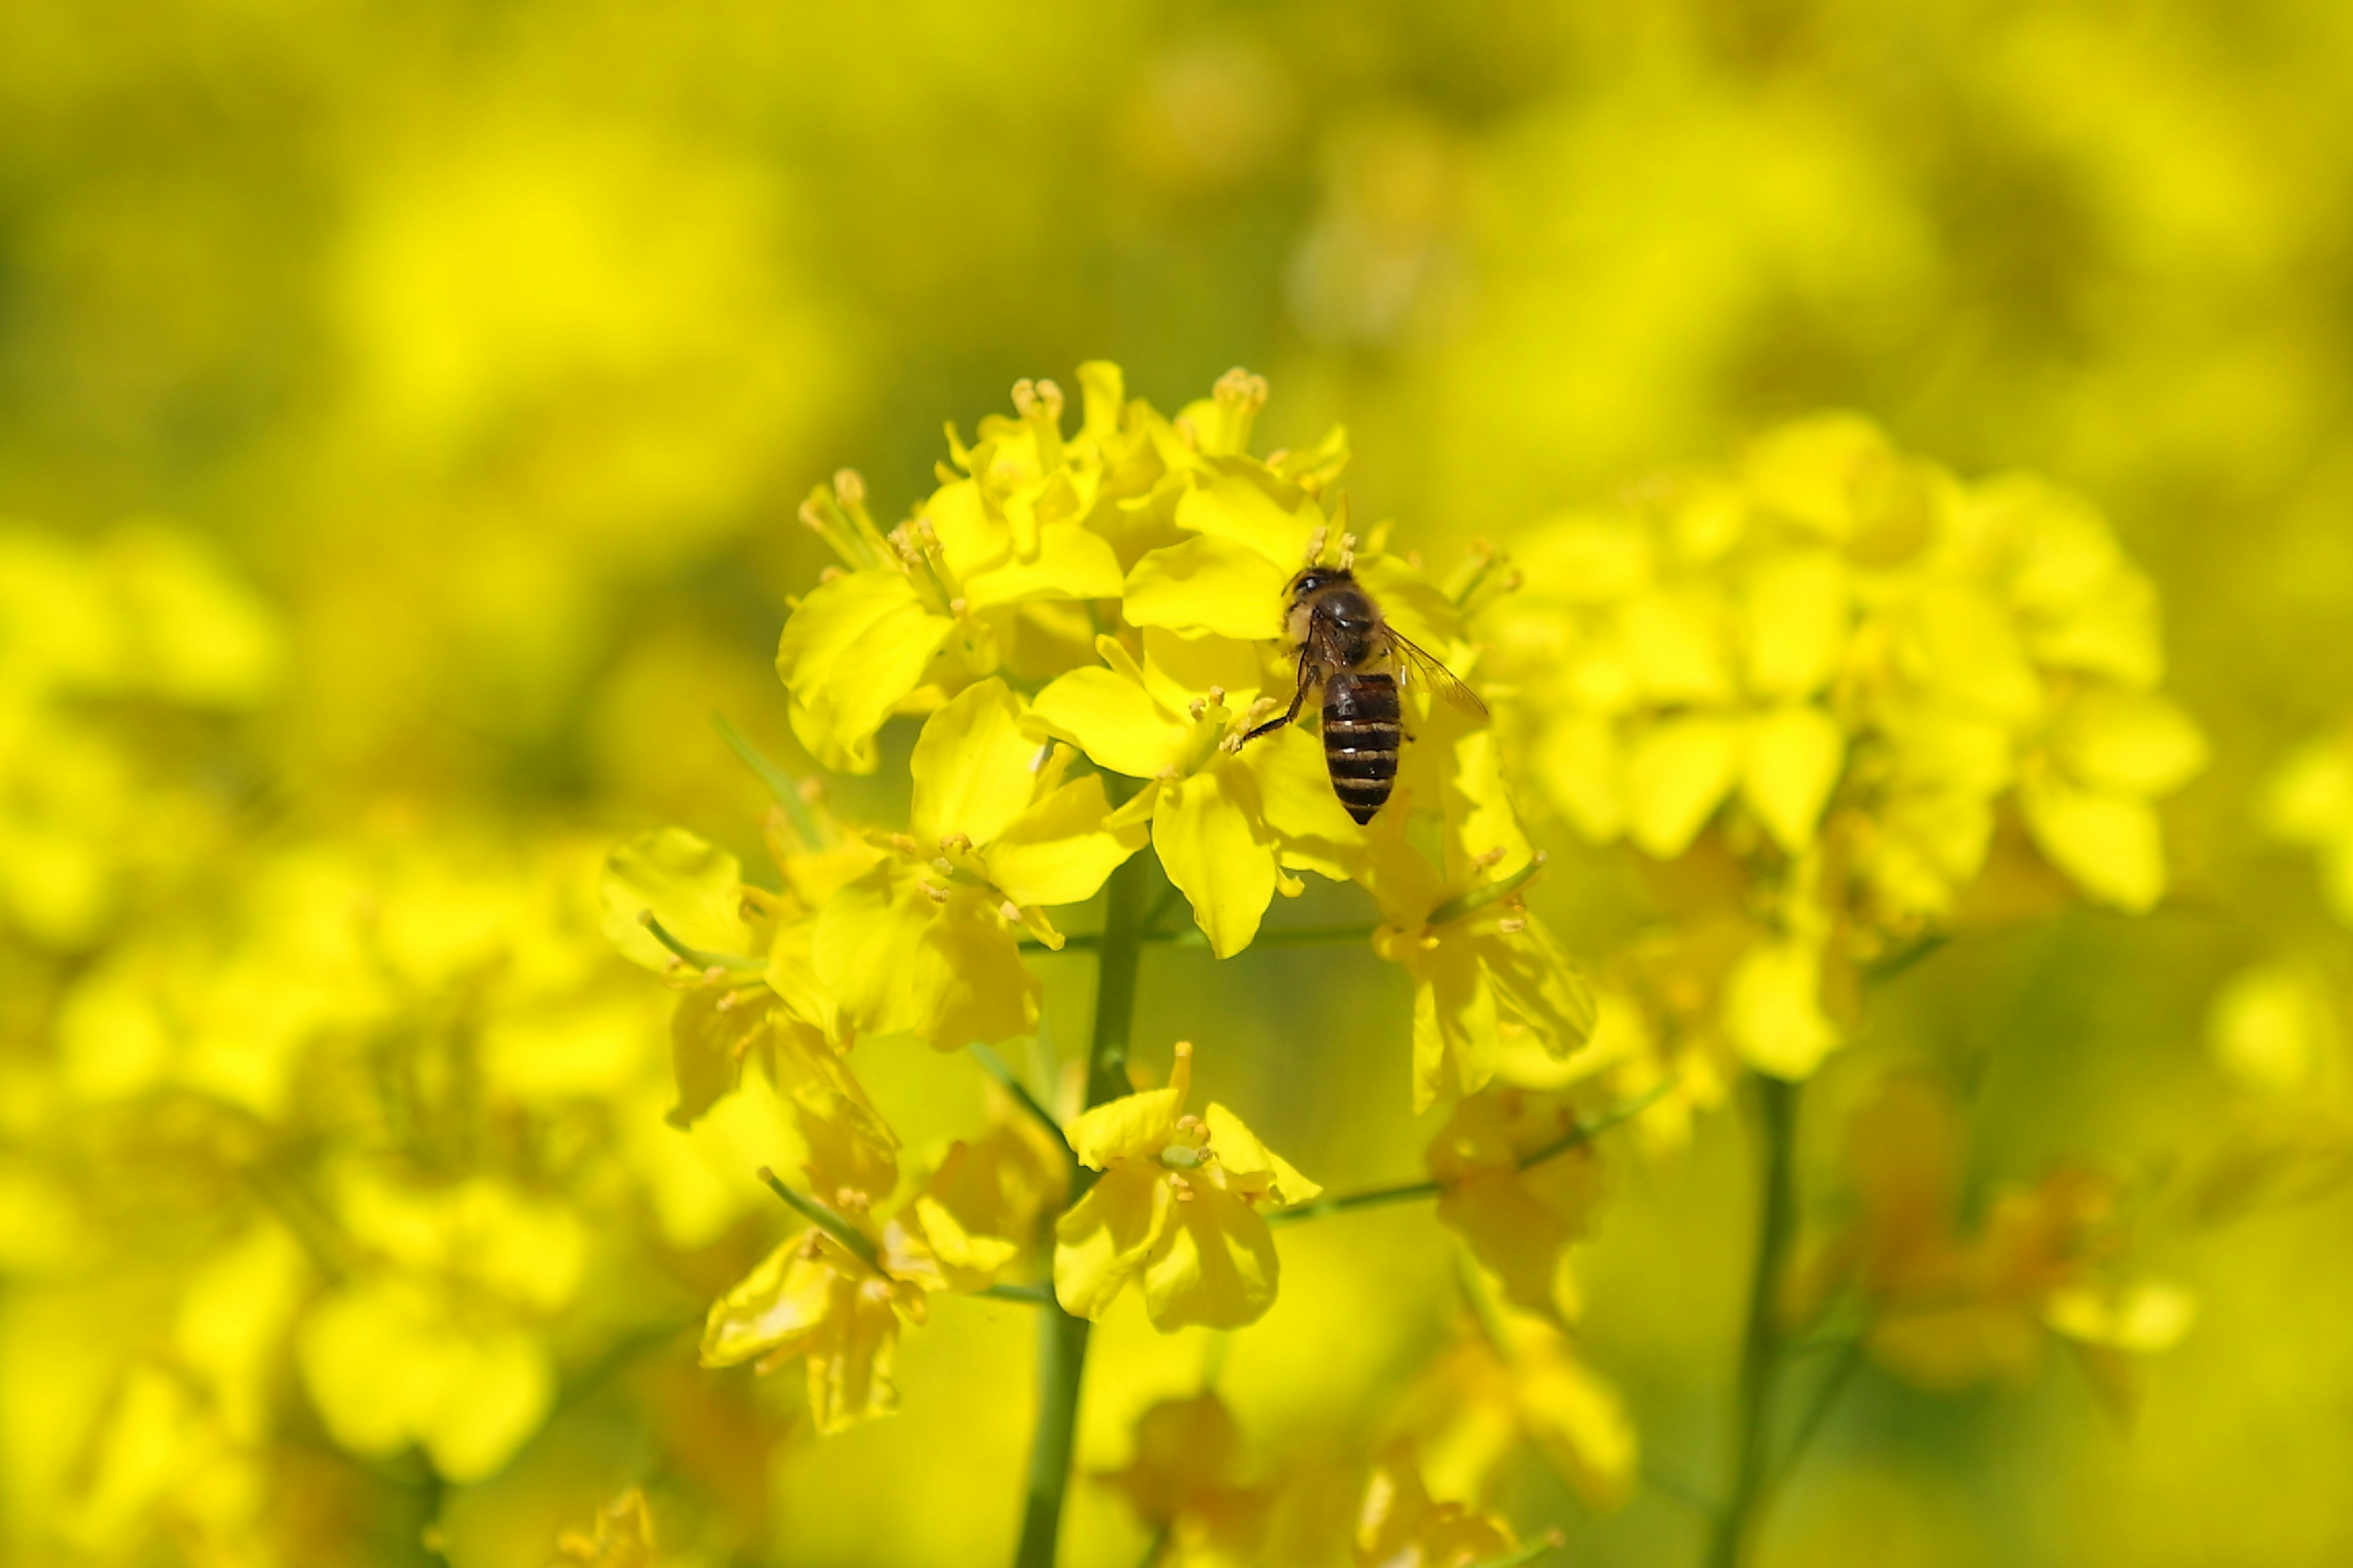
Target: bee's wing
point(1417, 666)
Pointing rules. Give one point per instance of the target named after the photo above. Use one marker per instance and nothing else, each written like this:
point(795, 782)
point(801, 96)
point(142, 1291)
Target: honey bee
point(1347, 646)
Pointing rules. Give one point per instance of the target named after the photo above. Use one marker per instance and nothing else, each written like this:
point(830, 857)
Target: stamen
point(937, 895)
point(1239, 389)
point(1217, 697)
point(1315, 544)
point(904, 844)
point(1011, 911)
point(1199, 706)
point(850, 485)
point(944, 866)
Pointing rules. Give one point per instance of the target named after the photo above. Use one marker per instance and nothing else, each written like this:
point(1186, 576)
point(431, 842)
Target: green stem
point(1747, 1490)
point(1006, 1080)
point(733, 963)
point(824, 1218)
point(1582, 1134)
point(1061, 1338)
point(1550, 1541)
point(1826, 1393)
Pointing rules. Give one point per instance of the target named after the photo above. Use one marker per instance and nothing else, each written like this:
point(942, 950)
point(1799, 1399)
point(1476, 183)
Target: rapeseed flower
point(1947, 1310)
point(1517, 1216)
point(926, 941)
point(1399, 1524)
point(979, 578)
point(1176, 1210)
point(1182, 1481)
point(1828, 672)
point(1486, 972)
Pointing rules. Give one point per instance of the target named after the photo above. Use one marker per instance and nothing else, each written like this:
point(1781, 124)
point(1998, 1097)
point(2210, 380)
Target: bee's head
point(1318, 577)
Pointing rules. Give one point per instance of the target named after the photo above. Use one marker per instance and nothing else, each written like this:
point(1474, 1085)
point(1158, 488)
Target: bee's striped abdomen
point(1361, 732)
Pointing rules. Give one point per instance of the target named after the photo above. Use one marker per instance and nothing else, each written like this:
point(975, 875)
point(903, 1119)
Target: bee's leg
point(1290, 714)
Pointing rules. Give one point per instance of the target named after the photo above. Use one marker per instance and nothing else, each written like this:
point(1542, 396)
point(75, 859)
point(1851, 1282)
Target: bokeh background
point(403, 410)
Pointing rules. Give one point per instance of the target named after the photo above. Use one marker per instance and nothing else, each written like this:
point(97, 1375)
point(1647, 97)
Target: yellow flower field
point(1405, 787)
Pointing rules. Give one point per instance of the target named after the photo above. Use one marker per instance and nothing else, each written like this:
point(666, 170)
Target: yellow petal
point(1133, 1127)
point(2273, 1028)
point(198, 636)
point(1577, 1420)
point(1240, 1150)
point(501, 1387)
point(1206, 832)
point(1215, 1267)
point(1294, 789)
point(1773, 1013)
point(849, 1366)
point(1516, 1237)
point(1581, 766)
point(1207, 586)
point(776, 1307)
point(850, 655)
point(708, 1044)
point(1961, 644)
point(1114, 720)
point(899, 959)
point(693, 888)
point(1072, 563)
point(1060, 851)
point(972, 767)
point(1676, 640)
point(2310, 799)
point(1796, 622)
point(1456, 1041)
point(1677, 774)
point(2108, 844)
point(2129, 743)
point(1791, 764)
point(1235, 511)
point(1103, 1238)
point(371, 1361)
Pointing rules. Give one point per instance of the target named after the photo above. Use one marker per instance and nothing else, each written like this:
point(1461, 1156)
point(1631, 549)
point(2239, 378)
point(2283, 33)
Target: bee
point(1347, 647)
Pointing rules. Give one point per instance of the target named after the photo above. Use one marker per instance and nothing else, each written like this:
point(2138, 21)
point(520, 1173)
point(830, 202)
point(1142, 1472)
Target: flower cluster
point(1947, 1310)
point(1087, 626)
point(1838, 701)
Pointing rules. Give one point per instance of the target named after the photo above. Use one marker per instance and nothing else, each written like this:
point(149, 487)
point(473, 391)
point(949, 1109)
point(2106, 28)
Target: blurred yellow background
point(403, 410)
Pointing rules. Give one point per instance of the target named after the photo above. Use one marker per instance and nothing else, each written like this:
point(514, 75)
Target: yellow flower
point(624, 1537)
point(1949, 1311)
point(924, 943)
point(1176, 1208)
point(1399, 1525)
point(435, 1344)
point(812, 1296)
point(1518, 1222)
point(1226, 825)
point(1513, 1378)
point(978, 1215)
point(1485, 971)
point(2308, 800)
point(972, 580)
point(1181, 1482)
